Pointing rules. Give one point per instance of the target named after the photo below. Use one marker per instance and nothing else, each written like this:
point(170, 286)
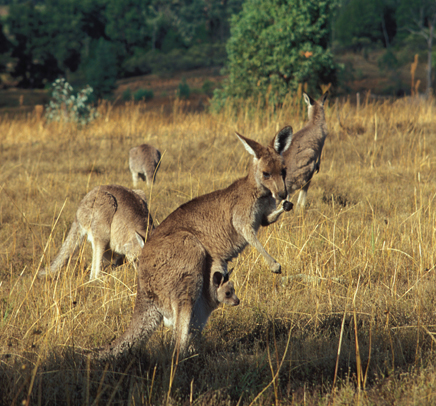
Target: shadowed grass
point(360, 262)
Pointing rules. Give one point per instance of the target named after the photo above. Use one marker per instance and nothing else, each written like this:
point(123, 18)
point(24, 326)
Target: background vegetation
point(268, 47)
point(350, 320)
point(86, 39)
point(358, 265)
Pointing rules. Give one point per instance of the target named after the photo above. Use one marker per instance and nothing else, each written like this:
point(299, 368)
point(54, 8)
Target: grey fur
point(186, 256)
point(108, 216)
point(303, 158)
point(144, 162)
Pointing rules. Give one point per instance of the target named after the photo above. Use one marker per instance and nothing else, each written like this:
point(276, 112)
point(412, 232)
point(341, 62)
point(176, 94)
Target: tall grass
point(350, 320)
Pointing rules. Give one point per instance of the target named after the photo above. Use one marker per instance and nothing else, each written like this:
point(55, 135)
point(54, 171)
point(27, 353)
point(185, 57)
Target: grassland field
point(351, 319)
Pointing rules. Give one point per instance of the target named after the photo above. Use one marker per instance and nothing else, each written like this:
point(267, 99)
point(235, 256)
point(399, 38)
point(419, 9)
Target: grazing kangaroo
point(185, 257)
point(303, 158)
point(144, 162)
point(109, 216)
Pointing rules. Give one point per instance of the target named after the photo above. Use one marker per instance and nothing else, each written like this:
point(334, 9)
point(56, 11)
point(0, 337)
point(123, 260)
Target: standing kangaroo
point(303, 158)
point(183, 266)
point(144, 162)
point(109, 216)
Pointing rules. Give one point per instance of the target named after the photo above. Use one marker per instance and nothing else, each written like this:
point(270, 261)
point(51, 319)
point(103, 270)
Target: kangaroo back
point(226, 220)
point(303, 158)
point(131, 218)
point(112, 217)
point(183, 266)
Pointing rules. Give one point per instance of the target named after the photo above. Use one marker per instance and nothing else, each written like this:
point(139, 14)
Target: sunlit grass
point(365, 246)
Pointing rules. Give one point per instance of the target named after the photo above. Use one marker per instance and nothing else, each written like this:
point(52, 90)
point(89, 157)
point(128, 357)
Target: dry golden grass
point(358, 265)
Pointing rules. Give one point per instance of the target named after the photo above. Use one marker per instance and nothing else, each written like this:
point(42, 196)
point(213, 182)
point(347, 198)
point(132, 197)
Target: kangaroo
point(189, 251)
point(182, 297)
point(303, 158)
point(144, 162)
point(109, 216)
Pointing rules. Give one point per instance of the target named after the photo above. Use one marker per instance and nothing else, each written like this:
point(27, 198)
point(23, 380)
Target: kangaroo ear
point(140, 239)
point(309, 101)
point(282, 140)
point(217, 278)
point(324, 97)
point(253, 147)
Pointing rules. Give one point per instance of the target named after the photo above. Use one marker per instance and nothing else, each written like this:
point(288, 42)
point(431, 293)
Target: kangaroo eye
point(228, 294)
point(266, 175)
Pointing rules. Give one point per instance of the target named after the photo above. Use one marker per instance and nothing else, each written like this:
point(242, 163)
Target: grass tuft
point(350, 320)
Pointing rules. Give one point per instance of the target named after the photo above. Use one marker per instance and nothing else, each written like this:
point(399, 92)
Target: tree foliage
point(32, 46)
point(57, 37)
point(275, 45)
point(101, 69)
point(418, 20)
point(365, 22)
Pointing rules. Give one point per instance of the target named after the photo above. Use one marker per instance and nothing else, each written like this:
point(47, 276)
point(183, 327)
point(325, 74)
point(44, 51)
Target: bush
point(275, 46)
point(207, 87)
point(388, 61)
point(101, 70)
point(65, 106)
point(143, 94)
point(127, 95)
point(184, 90)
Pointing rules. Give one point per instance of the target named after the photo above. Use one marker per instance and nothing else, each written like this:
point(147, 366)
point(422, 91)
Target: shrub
point(65, 106)
point(101, 70)
point(143, 94)
point(127, 95)
point(388, 61)
point(277, 45)
point(208, 87)
point(184, 91)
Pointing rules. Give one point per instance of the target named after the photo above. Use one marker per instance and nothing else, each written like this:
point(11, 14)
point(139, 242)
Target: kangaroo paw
point(276, 268)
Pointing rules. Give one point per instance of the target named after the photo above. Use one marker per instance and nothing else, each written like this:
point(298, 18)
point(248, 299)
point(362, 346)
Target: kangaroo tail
point(69, 247)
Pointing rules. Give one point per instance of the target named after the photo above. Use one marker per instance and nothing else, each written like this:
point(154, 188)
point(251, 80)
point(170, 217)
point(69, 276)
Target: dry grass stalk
point(370, 213)
point(413, 87)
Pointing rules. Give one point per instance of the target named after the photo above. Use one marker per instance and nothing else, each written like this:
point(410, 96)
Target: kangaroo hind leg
point(187, 288)
point(145, 320)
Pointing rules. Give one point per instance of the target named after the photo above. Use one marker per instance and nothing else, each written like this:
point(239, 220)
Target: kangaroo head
point(268, 164)
point(315, 108)
point(225, 290)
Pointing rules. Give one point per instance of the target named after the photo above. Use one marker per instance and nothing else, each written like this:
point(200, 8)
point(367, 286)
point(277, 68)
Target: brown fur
point(108, 216)
point(183, 266)
point(303, 158)
point(144, 162)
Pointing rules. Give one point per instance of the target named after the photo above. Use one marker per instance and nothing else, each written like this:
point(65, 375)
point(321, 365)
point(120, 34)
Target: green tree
point(277, 44)
point(101, 70)
point(365, 22)
point(127, 25)
point(359, 23)
point(64, 25)
point(4, 48)
point(417, 18)
point(51, 39)
point(31, 45)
